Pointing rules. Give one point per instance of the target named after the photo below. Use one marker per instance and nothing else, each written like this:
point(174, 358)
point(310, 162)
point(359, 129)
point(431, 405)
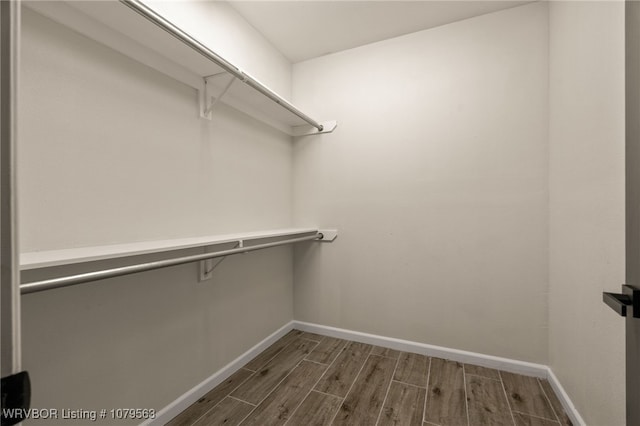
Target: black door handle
point(619, 302)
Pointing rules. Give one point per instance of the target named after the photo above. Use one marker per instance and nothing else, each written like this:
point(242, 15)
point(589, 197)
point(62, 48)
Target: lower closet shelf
point(44, 259)
point(268, 239)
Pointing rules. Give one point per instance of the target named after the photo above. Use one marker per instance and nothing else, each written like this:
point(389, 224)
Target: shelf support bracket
point(328, 235)
point(327, 127)
point(211, 101)
point(208, 265)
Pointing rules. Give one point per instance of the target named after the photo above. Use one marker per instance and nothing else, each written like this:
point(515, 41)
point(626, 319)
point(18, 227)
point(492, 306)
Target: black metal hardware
point(617, 302)
point(627, 302)
point(16, 398)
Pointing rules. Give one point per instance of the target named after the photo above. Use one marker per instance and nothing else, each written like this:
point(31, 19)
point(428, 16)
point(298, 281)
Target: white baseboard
point(505, 364)
point(183, 402)
point(490, 361)
point(562, 395)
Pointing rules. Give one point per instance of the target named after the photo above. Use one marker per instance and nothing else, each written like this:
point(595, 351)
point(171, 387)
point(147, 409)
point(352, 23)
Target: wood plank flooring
point(308, 379)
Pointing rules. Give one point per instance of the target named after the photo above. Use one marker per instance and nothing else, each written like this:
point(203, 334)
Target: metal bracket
point(207, 266)
point(209, 102)
point(327, 127)
point(328, 235)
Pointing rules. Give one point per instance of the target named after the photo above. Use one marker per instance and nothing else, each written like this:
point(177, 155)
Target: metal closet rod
point(36, 286)
point(185, 38)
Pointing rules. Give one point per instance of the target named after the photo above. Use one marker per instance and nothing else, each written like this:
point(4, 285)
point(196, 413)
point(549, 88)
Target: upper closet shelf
point(139, 32)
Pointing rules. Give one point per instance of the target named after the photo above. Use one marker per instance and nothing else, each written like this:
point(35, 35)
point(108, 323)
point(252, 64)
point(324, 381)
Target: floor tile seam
point(270, 359)
point(274, 388)
point(409, 384)
point(426, 396)
point(386, 356)
point(328, 394)
point(311, 389)
point(226, 395)
point(332, 362)
point(246, 417)
point(352, 384)
point(344, 343)
point(504, 389)
point(316, 362)
point(466, 396)
point(384, 400)
point(426, 357)
point(241, 400)
point(484, 377)
point(268, 394)
point(322, 338)
point(536, 416)
point(553, 410)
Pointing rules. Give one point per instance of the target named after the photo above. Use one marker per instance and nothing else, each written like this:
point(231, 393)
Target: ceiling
point(303, 30)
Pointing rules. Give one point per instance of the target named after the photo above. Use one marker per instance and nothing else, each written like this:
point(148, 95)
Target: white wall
point(110, 152)
point(586, 138)
point(220, 27)
point(437, 180)
point(133, 166)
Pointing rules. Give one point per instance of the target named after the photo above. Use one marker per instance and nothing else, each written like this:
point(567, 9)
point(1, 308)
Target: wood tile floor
point(307, 379)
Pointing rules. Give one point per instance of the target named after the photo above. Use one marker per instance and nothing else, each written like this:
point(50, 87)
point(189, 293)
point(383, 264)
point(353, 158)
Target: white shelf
point(43, 259)
point(117, 26)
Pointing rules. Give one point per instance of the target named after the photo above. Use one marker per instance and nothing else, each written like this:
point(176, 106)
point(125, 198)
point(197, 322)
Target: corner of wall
point(586, 204)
